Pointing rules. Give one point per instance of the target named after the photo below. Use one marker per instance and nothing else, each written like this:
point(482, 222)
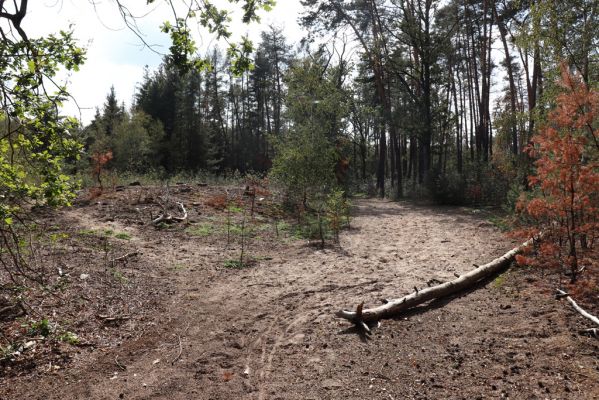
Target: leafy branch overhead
point(35, 139)
point(183, 50)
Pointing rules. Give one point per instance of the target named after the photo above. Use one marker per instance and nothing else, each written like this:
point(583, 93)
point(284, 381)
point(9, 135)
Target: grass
point(234, 229)
point(235, 209)
point(70, 338)
point(178, 267)
point(208, 229)
point(309, 229)
point(500, 223)
point(41, 328)
point(203, 230)
point(499, 281)
point(264, 227)
point(234, 264)
point(119, 276)
point(123, 236)
point(163, 226)
point(6, 352)
point(105, 233)
point(57, 237)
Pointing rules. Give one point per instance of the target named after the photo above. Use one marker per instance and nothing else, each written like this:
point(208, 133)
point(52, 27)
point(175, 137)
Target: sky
point(116, 56)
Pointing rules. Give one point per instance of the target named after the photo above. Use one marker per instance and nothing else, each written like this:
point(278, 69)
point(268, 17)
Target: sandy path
point(269, 333)
point(249, 331)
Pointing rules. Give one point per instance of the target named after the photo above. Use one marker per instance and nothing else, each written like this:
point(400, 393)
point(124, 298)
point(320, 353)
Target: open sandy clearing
point(268, 332)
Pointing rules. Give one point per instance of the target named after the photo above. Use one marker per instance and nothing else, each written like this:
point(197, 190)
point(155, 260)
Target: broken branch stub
point(396, 306)
point(168, 218)
point(592, 331)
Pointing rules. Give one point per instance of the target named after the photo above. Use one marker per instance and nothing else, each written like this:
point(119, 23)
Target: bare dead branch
point(580, 310)
point(396, 306)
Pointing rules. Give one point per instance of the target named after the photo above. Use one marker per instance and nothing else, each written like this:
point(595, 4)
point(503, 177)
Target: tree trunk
point(510, 74)
point(380, 172)
point(457, 119)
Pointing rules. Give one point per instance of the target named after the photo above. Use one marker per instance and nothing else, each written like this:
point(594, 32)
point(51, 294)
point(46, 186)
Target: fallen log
point(362, 316)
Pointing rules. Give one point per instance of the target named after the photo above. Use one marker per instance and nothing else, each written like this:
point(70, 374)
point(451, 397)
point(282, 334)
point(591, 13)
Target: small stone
point(331, 384)
point(29, 345)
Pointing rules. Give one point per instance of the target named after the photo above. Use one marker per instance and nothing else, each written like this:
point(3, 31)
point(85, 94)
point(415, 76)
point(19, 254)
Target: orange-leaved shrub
point(563, 204)
point(99, 161)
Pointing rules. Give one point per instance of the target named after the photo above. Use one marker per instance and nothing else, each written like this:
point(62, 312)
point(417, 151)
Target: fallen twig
point(592, 331)
point(180, 351)
point(180, 344)
point(107, 318)
point(15, 310)
point(116, 361)
point(168, 218)
point(123, 257)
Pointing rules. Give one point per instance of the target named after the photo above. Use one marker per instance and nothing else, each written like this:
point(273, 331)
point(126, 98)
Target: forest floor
point(180, 320)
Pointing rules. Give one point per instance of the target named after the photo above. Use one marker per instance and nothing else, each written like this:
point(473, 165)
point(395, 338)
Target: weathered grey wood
point(396, 306)
point(580, 310)
point(590, 332)
point(167, 218)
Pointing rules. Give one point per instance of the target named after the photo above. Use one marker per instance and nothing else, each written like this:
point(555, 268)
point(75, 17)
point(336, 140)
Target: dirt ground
point(174, 322)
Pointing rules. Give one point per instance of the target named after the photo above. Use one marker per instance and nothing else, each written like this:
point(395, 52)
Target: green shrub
point(41, 328)
point(337, 211)
point(449, 188)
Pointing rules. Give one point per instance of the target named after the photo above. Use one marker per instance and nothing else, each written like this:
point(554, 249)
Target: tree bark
point(510, 74)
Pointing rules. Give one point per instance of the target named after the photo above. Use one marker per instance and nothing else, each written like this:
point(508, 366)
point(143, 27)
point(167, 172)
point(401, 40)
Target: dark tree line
point(433, 97)
point(429, 71)
point(206, 120)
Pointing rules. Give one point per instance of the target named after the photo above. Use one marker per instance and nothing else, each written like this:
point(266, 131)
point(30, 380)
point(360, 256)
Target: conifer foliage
point(564, 205)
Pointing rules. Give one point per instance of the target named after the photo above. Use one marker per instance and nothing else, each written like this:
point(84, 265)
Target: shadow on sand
point(421, 309)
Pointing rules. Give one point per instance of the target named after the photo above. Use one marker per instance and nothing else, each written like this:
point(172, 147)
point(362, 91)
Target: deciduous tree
point(565, 205)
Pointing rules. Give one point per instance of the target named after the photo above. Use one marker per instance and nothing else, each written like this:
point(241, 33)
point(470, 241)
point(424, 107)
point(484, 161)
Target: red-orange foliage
point(565, 201)
point(99, 161)
point(218, 201)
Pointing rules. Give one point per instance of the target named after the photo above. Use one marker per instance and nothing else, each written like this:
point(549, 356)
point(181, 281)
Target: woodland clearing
point(175, 320)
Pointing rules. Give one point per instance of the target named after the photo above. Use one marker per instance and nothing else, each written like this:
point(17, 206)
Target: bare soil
point(178, 321)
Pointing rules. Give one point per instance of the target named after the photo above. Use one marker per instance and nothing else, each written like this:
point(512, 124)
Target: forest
point(420, 98)
point(439, 156)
